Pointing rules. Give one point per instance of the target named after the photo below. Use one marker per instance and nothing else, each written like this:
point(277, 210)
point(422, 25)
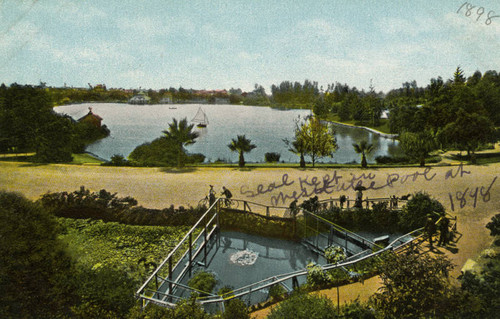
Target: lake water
point(133, 125)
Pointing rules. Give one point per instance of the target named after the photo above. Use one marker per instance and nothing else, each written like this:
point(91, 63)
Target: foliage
point(105, 206)
point(363, 148)
point(276, 292)
point(272, 157)
point(117, 160)
point(418, 145)
point(379, 218)
point(416, 286)
point(317, 138)
point(204, 282)
point(108, 245)
point(414, 214)
point(35, 270)
point(288, 93)
point(311, 204)
point(494, 225)
point(186, 308)
point(258, 224)
point(334, 254)
point(235, 309)
point(103, 293)
point(468, 132)
point(28, 123)
point(316, 276)
point(180, 134)
point(297, 146)
point(485, 286)
point(304, 306)
point(241, 145)
point(392, 159)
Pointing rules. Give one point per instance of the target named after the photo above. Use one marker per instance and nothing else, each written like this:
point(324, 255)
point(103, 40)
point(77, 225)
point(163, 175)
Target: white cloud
point(248, 57)
point(217, 34)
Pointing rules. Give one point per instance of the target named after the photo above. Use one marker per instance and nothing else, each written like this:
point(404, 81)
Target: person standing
point(227, 193)
point(443, 223)
point(211, 195)
point(430, 229)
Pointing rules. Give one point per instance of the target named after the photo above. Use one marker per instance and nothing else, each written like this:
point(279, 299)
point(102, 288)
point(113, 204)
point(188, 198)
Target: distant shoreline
point(392, 136)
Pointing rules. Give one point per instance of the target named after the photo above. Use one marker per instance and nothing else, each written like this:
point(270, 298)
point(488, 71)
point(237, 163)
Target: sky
point(236, 44)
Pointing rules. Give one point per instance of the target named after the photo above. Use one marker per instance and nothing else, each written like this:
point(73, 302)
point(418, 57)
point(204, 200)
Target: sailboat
point(200, 118)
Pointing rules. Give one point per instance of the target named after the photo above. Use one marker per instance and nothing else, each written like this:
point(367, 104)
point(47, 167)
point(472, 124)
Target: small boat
point(200, 118)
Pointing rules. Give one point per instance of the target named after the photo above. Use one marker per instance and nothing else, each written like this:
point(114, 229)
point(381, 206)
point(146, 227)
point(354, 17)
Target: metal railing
point(164, 287)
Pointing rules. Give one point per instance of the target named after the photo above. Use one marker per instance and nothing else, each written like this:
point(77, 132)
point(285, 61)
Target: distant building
point(384, 115)
point(91, 118)
point(166, 99)
point(140, 98)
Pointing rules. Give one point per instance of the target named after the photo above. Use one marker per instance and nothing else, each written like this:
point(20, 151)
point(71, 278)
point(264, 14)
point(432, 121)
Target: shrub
point(272, 157)
point(414, 214)
point(335, 254)
point(316, 276)
point(305, 306)
point(235, 309)
point(392, 159)
point(203, 281)
point(276, 291)
point(117, 160)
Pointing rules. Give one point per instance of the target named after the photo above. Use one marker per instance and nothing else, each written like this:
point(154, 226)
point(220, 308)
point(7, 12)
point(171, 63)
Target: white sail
point(200, 118)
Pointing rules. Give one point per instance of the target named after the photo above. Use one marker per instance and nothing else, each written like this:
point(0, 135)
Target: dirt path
point(472, 193)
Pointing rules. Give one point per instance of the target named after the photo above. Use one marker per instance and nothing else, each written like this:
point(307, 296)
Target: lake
point(133, 125)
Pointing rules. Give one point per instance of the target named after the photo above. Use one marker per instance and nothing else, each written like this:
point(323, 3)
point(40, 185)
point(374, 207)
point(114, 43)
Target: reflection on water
point(133, 125)
point(262, 257)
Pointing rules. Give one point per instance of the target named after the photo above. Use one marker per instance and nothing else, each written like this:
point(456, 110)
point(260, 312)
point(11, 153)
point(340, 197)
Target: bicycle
point(204, 202)
point(229, 203)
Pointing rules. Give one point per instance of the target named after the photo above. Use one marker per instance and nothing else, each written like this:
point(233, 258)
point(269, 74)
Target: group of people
point(225, 192)
point(442, 224)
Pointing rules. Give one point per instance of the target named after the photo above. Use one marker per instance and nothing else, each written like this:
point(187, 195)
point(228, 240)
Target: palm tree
point(180, 134)
point(241, 145)
point(363, 148)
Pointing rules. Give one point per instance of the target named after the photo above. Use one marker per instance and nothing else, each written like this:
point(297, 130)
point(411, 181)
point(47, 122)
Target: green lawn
point(383, 127)
point(85, 159)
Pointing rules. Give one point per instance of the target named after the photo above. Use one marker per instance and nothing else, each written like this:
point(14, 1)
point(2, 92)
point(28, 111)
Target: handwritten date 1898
point(472, 194)
point(479, 12)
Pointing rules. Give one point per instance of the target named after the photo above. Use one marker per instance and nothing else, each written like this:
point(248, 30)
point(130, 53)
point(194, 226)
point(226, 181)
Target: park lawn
point(383, 127)
point(85, 158)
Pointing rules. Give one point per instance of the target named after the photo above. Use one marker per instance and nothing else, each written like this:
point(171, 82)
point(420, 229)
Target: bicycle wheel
point(234, 204)
point(203, 202)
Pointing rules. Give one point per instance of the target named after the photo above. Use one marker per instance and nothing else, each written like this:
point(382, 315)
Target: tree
point(241, 145)
point(35, 270)
point(317, 138)
point(468, 132)
point(181, 134)
point(297, 146)
point(417, 286)
point(418, 145)
point(414, 213)
point(363, 148)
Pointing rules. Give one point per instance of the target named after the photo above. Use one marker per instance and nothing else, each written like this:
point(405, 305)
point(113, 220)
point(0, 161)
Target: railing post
point(345, 241)
point(267, 211)
point(170, 275)
point(205, 245)
point(190, 252)
point(245, 206)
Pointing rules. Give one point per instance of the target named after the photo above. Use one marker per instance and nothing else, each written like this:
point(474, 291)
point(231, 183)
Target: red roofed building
point(91, 118)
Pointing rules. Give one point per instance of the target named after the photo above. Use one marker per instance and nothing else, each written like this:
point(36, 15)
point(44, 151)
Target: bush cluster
point(103, 205)
point(381, 218)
